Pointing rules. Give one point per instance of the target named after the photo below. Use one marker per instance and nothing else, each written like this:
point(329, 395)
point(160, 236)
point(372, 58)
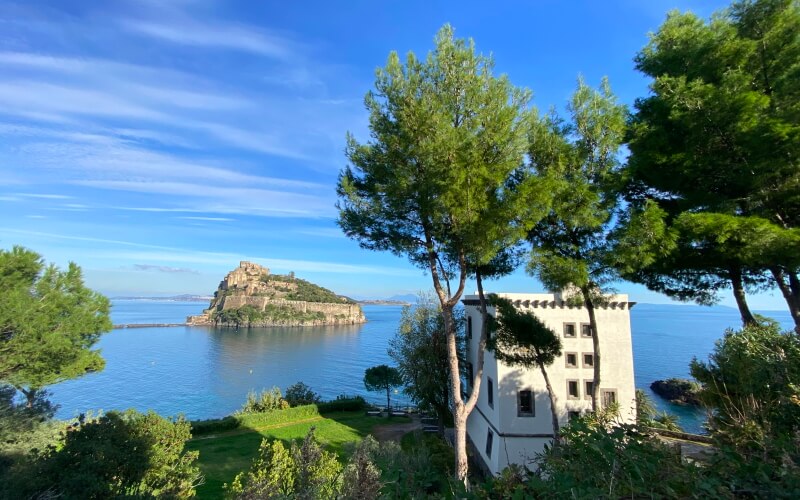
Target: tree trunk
point(587, 299)
point(553, 408)
point(737, 283)
point(790, 293)
point(30, 395)
point(388, 406)
point(460, 408)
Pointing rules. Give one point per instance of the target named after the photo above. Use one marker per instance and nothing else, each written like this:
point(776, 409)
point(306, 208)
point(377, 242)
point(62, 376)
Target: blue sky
point(157, 143)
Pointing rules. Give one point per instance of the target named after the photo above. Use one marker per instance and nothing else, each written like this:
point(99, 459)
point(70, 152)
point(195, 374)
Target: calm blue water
point(207, 372)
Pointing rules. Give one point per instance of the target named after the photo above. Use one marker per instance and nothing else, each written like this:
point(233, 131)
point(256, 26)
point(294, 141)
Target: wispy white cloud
point(210, 219)
point(46, 196)
point(165, 269)
point(236, 200)
point(216, 35)
point(325, 232)
point(161, 255)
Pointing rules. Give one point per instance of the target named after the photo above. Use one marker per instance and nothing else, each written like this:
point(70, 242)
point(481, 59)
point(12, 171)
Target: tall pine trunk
point(790, 292)
point(587, 299)
point(553, 402)
point(737, 282)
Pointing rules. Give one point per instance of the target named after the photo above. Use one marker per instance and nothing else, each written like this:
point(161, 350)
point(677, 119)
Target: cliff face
point(250, 296)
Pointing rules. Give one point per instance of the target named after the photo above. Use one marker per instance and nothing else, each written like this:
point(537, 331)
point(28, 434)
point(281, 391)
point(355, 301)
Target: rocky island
point(250, 296)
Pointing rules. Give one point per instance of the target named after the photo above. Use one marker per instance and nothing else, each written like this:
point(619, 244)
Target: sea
point(205, 372)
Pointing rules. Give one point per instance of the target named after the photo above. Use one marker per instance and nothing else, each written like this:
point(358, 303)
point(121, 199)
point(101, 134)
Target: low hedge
point(275, 417)
point(356, 403)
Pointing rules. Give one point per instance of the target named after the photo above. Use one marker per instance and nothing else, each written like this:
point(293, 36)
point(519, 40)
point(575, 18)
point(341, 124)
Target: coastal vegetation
point(383, 378)
point(419, 349)
point(278, 314)
point(303, 290)
point(49, 322)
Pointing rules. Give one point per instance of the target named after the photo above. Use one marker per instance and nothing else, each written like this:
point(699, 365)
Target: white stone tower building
point(511, 421)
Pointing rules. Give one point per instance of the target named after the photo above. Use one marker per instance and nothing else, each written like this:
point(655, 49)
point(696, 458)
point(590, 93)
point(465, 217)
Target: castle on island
point(251, 296)
point(512, 421)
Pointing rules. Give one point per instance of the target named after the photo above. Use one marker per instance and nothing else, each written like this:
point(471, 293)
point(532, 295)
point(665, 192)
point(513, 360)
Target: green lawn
point(225, 454)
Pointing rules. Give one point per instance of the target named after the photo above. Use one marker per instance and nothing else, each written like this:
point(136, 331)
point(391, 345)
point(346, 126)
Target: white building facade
point(512, 420)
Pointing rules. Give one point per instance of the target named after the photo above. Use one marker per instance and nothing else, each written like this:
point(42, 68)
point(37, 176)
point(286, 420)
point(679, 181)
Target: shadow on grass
point(225, 453)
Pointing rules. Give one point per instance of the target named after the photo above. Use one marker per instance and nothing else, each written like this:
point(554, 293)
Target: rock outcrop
point(677, 390)
point(250, 296)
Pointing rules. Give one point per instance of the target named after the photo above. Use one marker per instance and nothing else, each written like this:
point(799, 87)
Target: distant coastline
point(384, 303)
point(172, 298)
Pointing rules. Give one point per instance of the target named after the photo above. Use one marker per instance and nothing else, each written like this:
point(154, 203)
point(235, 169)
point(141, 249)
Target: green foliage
point(382, 378)
point(572, 245)
point(254, 420)
point(442, 180)
point(419, 348)
point(272, 314)
point(520, 338)
point(25, 432)
point(616, 461)
point(268, 400)
point(343, 403)
point(418, 469)
point(304, 290)
point(304, 471)
point(119, 454)
point(751, 380)
point(300, 394)
point(49, 322)
point(715, 144)
point(361, 479)
point(646, 415)
point(720, 127)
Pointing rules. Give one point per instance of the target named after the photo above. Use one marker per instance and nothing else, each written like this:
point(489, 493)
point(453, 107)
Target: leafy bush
point(300, 394)
point(343, 403)
point(647, 416)
point(268, 400)
point(303, 471)
point(600, 458)
point(127, 454)
point(751, 380)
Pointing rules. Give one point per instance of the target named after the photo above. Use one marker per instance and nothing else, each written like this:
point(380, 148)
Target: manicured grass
point(225, 454)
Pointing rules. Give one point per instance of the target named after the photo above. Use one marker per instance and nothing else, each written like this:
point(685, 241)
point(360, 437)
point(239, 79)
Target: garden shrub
point(343, 403)
point(268, 400)
point(300, 394)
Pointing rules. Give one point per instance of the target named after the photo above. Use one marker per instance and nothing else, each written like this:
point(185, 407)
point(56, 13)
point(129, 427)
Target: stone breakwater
point(249, 285)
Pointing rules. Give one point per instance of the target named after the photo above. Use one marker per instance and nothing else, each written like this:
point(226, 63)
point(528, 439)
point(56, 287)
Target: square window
point(573, 415)
point(572, 359)
point(573, 390)
point(589, 389)
point(490, 392)
point(525, 407)
point(569, 330)
point(586, 330)
point(489, 442)
point(588, 360)
point(608, 396)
